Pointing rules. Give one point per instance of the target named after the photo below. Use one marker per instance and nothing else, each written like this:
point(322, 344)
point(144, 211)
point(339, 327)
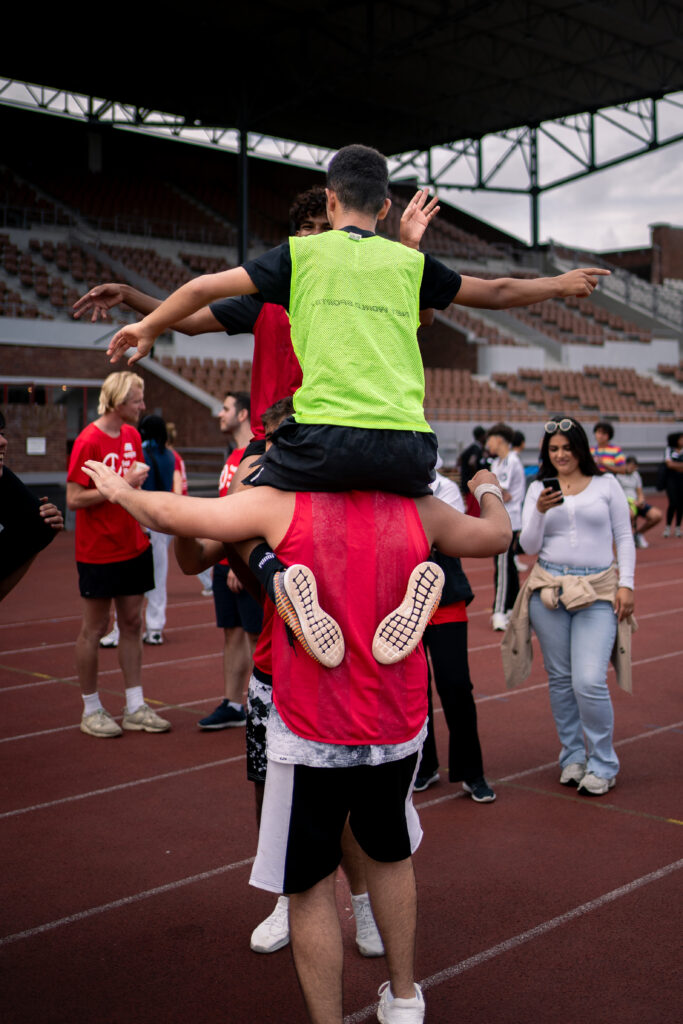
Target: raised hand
point(107, 482)
point(416, 218)
point(133, 336)
point(99, 300)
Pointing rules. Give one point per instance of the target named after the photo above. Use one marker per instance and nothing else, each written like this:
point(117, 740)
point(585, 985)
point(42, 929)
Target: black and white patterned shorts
point(259, 700)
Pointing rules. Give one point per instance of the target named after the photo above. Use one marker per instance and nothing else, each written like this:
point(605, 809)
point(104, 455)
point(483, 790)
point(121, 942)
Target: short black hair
point(518, 438)
point(606, 427)
point(578, 445)
point(501, 430)
point(242, 400)
point(631, 458)
point(153, 428)
point(310, 203)
point(360, 178)
point(479, 433)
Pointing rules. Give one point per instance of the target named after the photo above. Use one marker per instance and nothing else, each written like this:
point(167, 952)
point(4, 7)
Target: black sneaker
point(423, 782)
point(224, 717)
point(480, 791)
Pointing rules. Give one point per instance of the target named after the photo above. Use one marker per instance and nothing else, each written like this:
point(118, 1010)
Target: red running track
point(125, 863)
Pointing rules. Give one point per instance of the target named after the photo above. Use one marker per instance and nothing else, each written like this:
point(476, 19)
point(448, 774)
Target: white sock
point(134, 698)
point(234, 705)
point(356, 901)
point(91, 703)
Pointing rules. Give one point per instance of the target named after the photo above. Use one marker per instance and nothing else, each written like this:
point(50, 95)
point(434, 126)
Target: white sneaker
point(595, 785)
point(273, 933)
point(400, 1011)
point(572, 774)
point(520, 566)
point(499, 621)
point(368, 938)
point(640, 541)
point(101, 724)
point(111, 639)
point(678, 531)
point(666, 532)
point(152, 636)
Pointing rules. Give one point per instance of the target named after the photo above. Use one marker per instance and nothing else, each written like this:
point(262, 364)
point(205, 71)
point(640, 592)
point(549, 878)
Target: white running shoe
point(368, 938)
point(111, 639)
point(273, 933)
point(572, 774)
point(499, 622)
point(400, 1011)
point(595, 785)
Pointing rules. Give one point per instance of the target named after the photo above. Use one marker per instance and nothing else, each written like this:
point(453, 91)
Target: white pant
point(155, 614)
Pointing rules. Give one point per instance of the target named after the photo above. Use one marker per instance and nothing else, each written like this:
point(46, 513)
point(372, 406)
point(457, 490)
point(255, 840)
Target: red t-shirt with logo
point(227, 473)
point(106, 533)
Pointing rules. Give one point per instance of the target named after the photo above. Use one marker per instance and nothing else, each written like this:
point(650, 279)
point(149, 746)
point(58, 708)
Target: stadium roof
point(397, 74)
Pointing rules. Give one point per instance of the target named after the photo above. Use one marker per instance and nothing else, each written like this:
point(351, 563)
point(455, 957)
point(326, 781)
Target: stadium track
point(125, 863)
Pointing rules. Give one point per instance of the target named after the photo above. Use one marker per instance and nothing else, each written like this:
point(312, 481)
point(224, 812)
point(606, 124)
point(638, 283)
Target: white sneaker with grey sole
point(273, 933)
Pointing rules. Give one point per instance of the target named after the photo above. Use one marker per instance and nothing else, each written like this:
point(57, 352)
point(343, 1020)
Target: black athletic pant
point(447, 644)
point(505, 578)
point(674, 491)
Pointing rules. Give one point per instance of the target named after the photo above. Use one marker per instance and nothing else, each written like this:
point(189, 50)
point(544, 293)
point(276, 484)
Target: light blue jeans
point(576, 650)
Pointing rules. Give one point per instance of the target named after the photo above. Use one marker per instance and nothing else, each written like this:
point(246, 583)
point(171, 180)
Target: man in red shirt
point(344, 740)
point(113, 555)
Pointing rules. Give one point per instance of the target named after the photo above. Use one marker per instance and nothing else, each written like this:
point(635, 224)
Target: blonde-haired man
point(113, 555)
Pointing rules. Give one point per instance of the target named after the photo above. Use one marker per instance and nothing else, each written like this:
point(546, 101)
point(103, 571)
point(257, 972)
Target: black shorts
point(324, 457)
point(305, 809)
point(256, 446)
point(117, 579)
point(234, 609)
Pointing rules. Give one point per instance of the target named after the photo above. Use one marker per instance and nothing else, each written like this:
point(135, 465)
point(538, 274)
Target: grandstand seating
point(597, 391)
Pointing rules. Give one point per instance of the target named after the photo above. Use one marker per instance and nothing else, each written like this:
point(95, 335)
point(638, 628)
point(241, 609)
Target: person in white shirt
point(632, 484)
point(573, 527)
point(508, 468)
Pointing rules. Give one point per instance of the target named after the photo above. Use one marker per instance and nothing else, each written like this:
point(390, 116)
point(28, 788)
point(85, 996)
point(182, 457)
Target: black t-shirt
point(272, 273)
point(239, 315)
point(23, 531)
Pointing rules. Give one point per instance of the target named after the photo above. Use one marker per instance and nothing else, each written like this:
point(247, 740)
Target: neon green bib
point(354, 309)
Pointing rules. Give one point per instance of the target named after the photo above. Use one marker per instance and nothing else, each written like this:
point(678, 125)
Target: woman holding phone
point(573, 517)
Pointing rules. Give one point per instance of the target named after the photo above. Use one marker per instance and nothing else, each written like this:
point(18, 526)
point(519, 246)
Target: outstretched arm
point(460, 535)
point(508, 292)
point(188, 299)
point(99, 300)
point(255, 512)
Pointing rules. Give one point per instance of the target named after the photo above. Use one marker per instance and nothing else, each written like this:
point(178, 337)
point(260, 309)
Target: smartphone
point(554, 484)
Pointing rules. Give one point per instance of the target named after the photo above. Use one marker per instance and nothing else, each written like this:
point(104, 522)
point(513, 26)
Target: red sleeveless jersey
point(275, 371)
point(362, 547)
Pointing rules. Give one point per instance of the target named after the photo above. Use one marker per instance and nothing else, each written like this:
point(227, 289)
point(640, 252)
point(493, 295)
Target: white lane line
point(72, 643)
point(528, 936)
point(434, 979)
point(112, 671)
point(78, 618)
point(121, 785)
point(550, 764)
point(159, 890)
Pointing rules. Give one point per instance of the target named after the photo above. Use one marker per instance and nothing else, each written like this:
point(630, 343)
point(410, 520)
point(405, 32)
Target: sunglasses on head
point(563, 425)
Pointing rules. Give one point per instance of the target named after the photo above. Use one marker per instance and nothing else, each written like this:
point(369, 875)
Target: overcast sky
point(608, 210)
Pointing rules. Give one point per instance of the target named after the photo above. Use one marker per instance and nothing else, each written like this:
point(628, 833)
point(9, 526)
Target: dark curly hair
point(310, 203)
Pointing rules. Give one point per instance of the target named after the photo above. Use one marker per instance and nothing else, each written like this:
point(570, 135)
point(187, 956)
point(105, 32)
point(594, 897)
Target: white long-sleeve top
point(510, 473)
point(581, 531)
point(445, 490)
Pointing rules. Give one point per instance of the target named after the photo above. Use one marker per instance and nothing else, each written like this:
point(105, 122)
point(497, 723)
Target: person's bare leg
point(394, 902)
point(129, 616)
point(317, 948)
point(237, 654)
point(353, 862)
point(93, 627)
point(652, 517)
